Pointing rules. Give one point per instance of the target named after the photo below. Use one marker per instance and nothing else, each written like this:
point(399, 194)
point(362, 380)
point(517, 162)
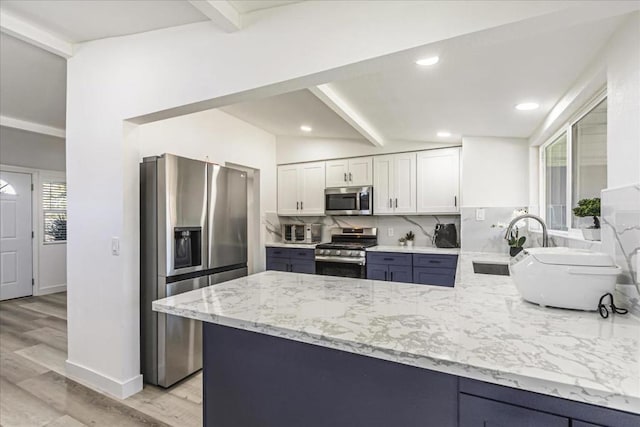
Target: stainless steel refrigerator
point(193, 234)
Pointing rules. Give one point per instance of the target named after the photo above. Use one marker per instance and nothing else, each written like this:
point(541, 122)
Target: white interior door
point(15, 235)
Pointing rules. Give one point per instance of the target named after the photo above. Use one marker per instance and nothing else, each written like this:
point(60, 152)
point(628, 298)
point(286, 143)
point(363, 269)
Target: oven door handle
point(321, 258)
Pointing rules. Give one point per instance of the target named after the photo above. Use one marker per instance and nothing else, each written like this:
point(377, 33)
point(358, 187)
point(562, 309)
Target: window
point(6, 188)
point(555, 166)
point(574, 167)
point(54, 211)
point(589, 158)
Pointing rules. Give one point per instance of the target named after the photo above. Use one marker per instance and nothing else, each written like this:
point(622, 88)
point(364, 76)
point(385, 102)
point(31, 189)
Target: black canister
point(446, 236)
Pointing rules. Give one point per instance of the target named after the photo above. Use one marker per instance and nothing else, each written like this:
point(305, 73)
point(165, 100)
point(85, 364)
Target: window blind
point(54, 210)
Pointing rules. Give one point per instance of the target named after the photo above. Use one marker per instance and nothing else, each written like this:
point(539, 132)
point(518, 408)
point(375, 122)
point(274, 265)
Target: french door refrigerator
point(193, 234)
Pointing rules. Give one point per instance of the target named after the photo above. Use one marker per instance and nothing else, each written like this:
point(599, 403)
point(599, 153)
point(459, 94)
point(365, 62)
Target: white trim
point(332, 100)
point(14, 123)
point(221, 13)
point(49, 290)
point(34, 35)
point(103, 383)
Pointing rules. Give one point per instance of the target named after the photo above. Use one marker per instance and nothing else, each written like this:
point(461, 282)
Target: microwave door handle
point(357, 201)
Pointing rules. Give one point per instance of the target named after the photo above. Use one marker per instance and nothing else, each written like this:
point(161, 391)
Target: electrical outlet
point(115, 246)
point(390, 231)
point(480, 214)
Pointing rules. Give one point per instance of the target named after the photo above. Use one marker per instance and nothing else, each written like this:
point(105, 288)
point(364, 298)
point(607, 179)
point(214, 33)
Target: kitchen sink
point(498, 269)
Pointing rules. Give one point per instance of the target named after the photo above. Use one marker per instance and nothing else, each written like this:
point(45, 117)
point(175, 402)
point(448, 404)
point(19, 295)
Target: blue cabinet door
point(377, 271)
point(434, 276)
point(479, 412)
point(300, 266)
point(277, 264)
point(400, 273)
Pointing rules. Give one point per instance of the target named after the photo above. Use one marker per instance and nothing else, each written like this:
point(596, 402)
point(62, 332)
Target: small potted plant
point(410, 237)
point(589, 207)
point(402, 241)
point(515, 242)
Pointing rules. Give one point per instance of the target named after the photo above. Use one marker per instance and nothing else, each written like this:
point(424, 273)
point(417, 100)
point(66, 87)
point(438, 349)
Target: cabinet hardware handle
point(385, 275)
point(396, 202)
point(387, 259)
point(301, 206)
point(434, 262)
point(455, 201)
point(390, 203)
point(350, 177)
point(345, 177)
point(392, 276)
point(297, 205)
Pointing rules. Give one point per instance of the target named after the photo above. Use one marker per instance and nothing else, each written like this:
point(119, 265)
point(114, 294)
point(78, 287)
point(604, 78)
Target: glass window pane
point(555, 160)
point(589, 159)
point(54, 210)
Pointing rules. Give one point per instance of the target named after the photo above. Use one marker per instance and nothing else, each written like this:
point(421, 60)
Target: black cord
point(602, 308)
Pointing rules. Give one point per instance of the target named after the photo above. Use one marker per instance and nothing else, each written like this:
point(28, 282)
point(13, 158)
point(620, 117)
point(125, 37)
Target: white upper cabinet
point(301, 189)
point(356, 172)
point(337, 173)
point(394, 188)
point(439, 181)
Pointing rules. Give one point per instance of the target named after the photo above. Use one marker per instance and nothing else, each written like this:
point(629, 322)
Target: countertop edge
point(573, 392)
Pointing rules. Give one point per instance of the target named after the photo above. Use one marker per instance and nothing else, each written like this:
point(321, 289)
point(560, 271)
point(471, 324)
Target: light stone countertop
point(479, 329)
point(292, 245)
point(415, 250)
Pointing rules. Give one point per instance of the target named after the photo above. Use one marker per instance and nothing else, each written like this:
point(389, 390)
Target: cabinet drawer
point(434, 276)
point(479, 412)
point(277, 264)
point(390, 258)
point(440, 261)
point(298, 266)
point(279, 252)
point(305, 254)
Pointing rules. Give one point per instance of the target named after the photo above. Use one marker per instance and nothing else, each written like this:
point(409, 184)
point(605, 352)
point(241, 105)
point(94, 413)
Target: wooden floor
point(35, 392)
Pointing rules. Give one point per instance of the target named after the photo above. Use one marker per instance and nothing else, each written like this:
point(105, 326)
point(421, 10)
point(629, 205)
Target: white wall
point(623, 108)
point(297, 149)
point(219, 138)
point(193, 68)
point(495, 171)
point(31, 150)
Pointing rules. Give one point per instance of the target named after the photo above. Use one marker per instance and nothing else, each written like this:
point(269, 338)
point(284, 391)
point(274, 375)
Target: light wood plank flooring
point(34, 390)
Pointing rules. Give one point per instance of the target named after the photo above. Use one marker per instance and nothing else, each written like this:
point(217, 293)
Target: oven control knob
point(337, 252)
point(350, 253)
point(320, 251)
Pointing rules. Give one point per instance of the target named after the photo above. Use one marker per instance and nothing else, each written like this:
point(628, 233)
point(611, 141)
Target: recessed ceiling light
point(306, 128)
point(444, 134)
point(525, 106)
point(428, 61)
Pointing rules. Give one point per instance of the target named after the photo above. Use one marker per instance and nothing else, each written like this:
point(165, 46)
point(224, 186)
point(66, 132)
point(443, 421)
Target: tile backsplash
point(422, 226)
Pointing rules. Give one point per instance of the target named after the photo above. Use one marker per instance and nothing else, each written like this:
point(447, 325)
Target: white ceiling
point(248, 6)
point(283, 115)
point(33, 83)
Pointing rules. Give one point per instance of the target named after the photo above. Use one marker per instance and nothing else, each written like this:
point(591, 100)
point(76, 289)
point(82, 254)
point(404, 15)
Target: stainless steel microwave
point(348, 201)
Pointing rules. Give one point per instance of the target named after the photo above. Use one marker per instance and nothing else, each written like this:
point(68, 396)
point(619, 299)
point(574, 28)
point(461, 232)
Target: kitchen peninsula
point(295, 349)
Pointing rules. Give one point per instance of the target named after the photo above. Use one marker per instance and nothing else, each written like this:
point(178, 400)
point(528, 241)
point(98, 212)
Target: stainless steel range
point(345, 256)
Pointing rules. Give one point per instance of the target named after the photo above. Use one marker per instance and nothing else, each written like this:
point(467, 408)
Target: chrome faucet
point(545, 235)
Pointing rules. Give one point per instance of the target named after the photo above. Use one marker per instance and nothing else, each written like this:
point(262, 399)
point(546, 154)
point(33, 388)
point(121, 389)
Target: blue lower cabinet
point(427, 276)
point(291, 260)
point(377, 271)
point(298, 266)
point(400, 273)
point(478, 412)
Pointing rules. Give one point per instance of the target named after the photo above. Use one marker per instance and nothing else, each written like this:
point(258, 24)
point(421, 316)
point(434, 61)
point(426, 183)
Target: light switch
point(115, 246)
point(480, 214)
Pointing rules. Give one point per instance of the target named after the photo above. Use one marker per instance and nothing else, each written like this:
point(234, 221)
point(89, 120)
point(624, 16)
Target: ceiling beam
point(10, 122)
point(325, 94)
point(31, 34)
point(221, 12)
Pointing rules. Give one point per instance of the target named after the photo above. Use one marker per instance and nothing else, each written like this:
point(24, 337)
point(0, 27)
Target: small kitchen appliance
point(445, 236)
point(301, 233)
point(564, 277)
point(345, 256)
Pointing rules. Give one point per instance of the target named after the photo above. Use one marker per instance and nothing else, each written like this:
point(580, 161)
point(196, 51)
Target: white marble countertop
point(414, 250)
point(479, 329)
point(292, 245)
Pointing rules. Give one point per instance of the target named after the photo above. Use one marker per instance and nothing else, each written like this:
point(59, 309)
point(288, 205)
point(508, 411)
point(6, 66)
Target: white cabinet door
point(404, 183)
point(337, 173)
point(439, 181)
point(288, 201)
point(382, 185)
point(360, 171)
point(311, 188)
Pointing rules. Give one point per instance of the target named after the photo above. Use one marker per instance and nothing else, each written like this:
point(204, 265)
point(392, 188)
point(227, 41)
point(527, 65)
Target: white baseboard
point(50, 290)
point(103, 383)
